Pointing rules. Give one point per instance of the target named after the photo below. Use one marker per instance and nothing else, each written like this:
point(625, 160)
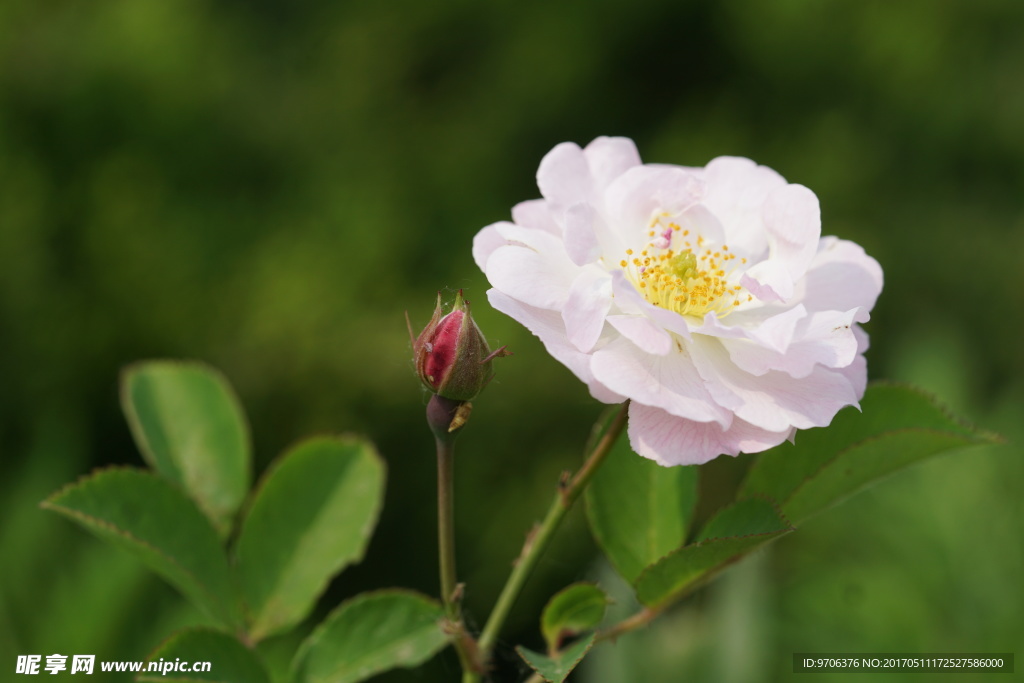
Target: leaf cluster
point(643, 516)
point(253, 559)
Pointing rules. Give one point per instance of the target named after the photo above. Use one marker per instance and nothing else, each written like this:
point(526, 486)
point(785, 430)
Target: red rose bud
point(451, 354)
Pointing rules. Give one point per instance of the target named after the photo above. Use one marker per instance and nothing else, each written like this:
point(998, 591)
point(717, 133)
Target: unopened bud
point(451, 354)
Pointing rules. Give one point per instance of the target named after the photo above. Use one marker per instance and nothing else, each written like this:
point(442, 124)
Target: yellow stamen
point(682, 280)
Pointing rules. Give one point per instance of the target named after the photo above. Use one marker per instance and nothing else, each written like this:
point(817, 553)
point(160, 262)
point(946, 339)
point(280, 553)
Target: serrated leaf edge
point(672, 597)
point(967, 439)
point(520, 648)
point(974, 435)
point(134, 425)
point(314, 638)
point(547, 605)
point(275, 465)
point(776, 508)
point(946, 411)
point(49, 504)
point(711, 573)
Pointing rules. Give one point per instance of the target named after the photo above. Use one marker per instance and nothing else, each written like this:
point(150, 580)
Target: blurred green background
point(267, 186)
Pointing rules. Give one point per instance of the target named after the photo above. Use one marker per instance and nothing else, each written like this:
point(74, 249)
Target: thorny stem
point(538, 540)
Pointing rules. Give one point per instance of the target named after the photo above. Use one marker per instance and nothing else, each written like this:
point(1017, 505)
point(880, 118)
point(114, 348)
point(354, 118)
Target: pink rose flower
point(705, 296)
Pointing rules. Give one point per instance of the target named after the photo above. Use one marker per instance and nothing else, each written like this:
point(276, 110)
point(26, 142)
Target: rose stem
point(537, 541)
point(440, 412)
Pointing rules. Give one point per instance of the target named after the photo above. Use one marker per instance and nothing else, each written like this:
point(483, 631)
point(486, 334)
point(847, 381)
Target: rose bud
point(452, 357)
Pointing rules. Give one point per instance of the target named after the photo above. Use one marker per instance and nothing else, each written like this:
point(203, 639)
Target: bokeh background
point(268, 186)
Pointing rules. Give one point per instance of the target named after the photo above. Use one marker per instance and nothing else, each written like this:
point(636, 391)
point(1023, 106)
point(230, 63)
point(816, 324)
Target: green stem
point(440, 412)
point(446, 526)
point(631, 623)
point(541, 536)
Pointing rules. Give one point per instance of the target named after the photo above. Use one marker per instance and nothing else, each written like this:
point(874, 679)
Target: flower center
point(680, 272)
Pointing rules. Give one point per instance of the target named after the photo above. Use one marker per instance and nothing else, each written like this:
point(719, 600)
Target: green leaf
point(556, 669)
point(230, 661)
point(190, 427)
point(733, 532)
point(571, 611)
point(153, 519)
point(744, 518)
point(371, 633)
point(312, 515)
point(899, 425)
point(638, 510)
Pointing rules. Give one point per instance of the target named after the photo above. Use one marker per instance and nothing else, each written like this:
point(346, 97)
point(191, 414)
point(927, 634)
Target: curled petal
point(609, 158)
point(793, 220)
point(736, 191)
point(857, 371)
point(590, 297)
point(503, 233)
point(485, 242)
point(769, 281)
point(564, 176)
point(770, 328)
point(670, 440)
point(532, 266)
point(549, 328)
point(643, 332)
point(668, 382)
point(699, 220)
point(580, 234)
point(825, 339)
point(775, 400)
point(636, 196)
point(535, 213)
point(793, 223)
point(841, 277)
point(629, 300)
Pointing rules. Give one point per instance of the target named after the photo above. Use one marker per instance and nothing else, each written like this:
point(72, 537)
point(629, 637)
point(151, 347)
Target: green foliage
point(743, 518)
point(189, 426)
point(733, 532)
point(214, 181)
point(312, 515)
point(61, 590)
point(316, 507)
point(371, 633)
point(898, 426)
point(573, 610)
point(155, 521)
point(230, 660)
point(556, 668)
point(639, 511)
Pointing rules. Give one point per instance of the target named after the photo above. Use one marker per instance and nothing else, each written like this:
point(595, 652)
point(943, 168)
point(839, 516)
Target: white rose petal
point(731, 322)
